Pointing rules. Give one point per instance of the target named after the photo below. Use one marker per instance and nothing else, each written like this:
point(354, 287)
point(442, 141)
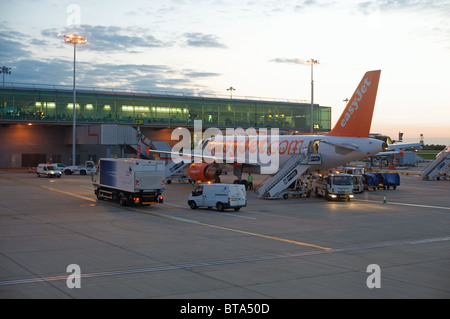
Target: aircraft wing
point(388, 153)
point(342, 148)
point(208, 158)
point(398, 147)
point(351, 147)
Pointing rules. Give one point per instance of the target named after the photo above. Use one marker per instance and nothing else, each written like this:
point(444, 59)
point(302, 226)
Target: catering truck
point(130, 181)
point(332, 186)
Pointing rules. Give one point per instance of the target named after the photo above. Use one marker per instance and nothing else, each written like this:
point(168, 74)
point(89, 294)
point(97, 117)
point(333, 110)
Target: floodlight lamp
point(75, 39)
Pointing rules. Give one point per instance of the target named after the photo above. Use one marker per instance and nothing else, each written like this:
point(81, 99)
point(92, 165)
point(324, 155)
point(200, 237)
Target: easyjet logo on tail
point(354, 106)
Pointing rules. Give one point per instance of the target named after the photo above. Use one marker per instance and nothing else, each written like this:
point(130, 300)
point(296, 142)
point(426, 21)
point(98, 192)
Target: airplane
point(394, 147)
point(346, 142)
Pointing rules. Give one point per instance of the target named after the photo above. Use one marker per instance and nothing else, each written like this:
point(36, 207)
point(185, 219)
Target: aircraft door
point(313, 147)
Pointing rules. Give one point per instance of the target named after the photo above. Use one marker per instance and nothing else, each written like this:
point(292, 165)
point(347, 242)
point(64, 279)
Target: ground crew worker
point(250, 181)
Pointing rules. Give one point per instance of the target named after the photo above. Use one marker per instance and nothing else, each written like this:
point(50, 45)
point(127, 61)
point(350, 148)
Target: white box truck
point(332, 186)
point(221, 196)
point(130, 181)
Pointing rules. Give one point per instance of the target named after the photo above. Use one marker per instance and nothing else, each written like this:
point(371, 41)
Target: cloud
point(197, 74)
point(14, 44)
point(203, 40)
point(401, 6)
point(121, 77)
point(289, 61)
point(11, 48)
point(111, 38)
point(18, 54)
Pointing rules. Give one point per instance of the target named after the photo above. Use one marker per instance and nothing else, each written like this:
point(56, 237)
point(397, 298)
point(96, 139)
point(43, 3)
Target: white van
point(48, 170)
point(220, 196)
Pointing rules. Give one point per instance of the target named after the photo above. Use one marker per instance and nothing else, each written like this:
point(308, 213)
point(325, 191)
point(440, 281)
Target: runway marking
point(223, 262)
point(176, 218)
point(48, 188)
point(180, 206)
point(403, 204)
point(233, 215)
point(212, 212)
point(226, 228)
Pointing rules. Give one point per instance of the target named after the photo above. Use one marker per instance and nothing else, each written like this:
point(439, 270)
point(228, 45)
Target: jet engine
point(204, 172)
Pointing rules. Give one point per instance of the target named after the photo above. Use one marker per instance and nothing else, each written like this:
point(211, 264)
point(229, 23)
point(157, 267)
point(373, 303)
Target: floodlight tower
point(231, 89)
point(312, 61)
point(5, 70)
point(75, 39)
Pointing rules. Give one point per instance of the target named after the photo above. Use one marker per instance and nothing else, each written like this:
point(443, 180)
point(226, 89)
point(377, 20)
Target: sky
point(260, 48)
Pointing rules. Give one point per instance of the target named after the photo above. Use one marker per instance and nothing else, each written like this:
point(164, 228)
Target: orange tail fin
point(357, 117)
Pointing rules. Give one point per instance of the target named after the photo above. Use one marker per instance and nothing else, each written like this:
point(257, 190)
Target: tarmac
point(384, 244)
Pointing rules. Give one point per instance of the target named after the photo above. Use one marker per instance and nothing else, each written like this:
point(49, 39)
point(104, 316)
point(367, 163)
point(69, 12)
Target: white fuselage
point(333, 150)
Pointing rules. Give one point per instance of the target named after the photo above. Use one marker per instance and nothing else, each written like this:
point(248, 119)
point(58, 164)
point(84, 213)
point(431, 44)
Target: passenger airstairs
point(292, 169)
point(172, 168)
point(147, 147)
point(438, 169)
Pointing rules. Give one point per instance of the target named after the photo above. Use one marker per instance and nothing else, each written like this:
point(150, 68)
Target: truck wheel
point(82, 172)
point(123, 200)
point(285, 196)
point(219, 207)
point(67, 172)
point(192, 204)
point(38, 175)
point(237, 208)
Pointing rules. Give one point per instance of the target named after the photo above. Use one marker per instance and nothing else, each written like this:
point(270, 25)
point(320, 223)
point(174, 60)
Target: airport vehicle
point(87, 168)
point(371, 180)
point(180, 177)
point(47, 170)
point(296, 189)
point(381, 181)
point(353, 170)
point(59, 166)
point(388, 180)
point(358, 183)
point(332, 186)
point(296, 154)
point(221, 196)
point(130, 181)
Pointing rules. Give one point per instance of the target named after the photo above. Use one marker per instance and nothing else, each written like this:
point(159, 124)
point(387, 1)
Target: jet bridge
point(439, 168)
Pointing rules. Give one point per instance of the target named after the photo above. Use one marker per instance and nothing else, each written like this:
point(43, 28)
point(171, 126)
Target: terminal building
point(36, 120)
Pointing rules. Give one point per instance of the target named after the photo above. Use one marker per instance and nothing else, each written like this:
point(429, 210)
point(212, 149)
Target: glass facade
point(56, 106)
